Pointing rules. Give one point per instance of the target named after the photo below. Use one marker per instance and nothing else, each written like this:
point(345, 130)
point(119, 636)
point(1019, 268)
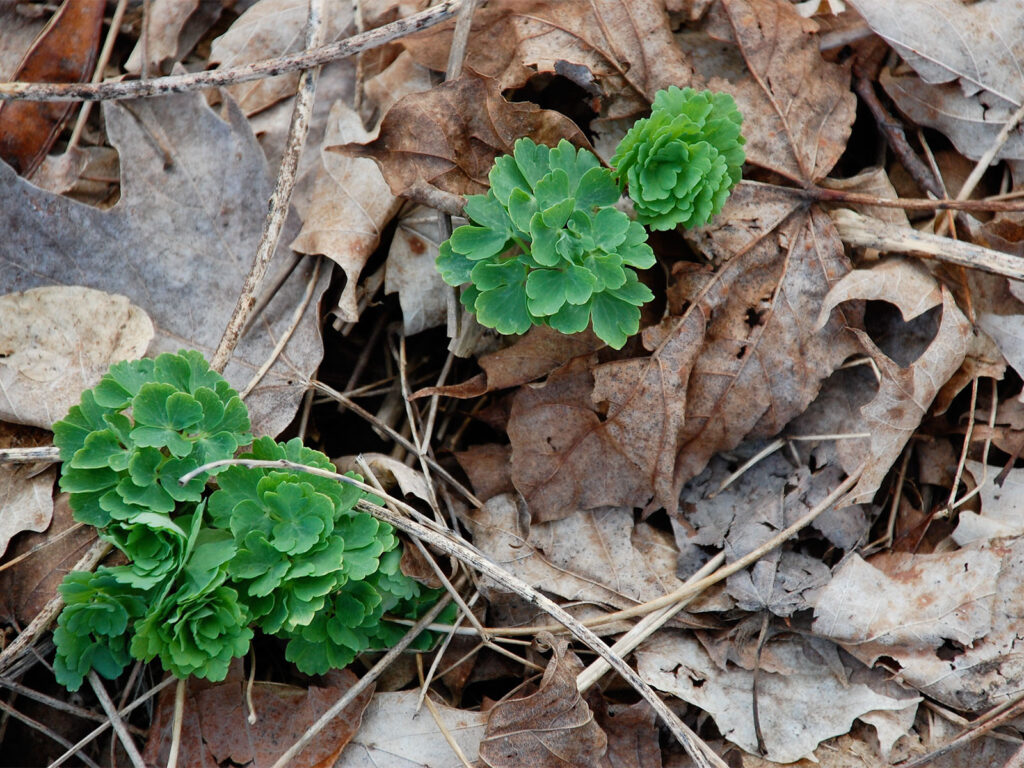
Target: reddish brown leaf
point(632, 733)
point(622, 52)
point(743, 360)
point(216, 730)
point(488, 469)
point(449, 136)
point(797, 108)
point(552, 727)
point(65, 52)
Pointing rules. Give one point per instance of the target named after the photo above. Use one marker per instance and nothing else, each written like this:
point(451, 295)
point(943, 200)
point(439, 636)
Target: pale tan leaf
point(58, 340)
point(599, 556)
point(797, 109)
point(172, 28)
point(950, 620)
point(412, 273)
point(398, 733)
point(26, 491)
point(272, 28)
point(905, 393)
point(793, 712)
point(350, 207)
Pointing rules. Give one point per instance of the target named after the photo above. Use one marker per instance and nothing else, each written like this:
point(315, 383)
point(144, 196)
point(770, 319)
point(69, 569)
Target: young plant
point(545, 246)
point(681, 163)
point(276, 549)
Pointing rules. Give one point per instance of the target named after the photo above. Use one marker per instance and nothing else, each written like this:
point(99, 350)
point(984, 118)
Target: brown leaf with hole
point(552, 728)
point(797, 108)
point(216, 730)
point(632, 732)
point(65, 52)
point(622, 53)
point(449, 136)
point(742, 360)
point(904, 393)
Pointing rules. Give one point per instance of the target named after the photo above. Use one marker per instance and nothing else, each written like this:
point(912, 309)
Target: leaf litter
point(775, 363)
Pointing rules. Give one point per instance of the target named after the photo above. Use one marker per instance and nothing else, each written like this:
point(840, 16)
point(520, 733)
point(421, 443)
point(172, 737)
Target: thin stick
point(644, 628)
point(858, 230)
point(8, 709)
point(279, 201)
point(49, 453)
point(364, 682)
point(115, 720)
point(161, 86)
point(282, 342)
point(824, 195)
point(106, 723)
point(179, 716)
point(41, 622)
point(460, 38)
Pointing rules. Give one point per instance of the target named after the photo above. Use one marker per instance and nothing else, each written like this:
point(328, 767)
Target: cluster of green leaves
point(546, 246)
point(275, 549)
point(681, 163)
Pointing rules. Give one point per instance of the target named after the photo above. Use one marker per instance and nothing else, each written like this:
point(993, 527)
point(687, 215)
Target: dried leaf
point(632, 732)
point(621, 52)
point(58, 340)
point(27, 586)
point(946, 40)
point(794, 719)
point(65, 52)
point(350, 207)
point(797, 109)
point(412, 273)
point(397, 733)
point(461, 126)
point(26, 491)
point(742, 360)
point(949, 620)
point(904, 393)
point(271, 28)
point(600, 556)
point(172, 28)
point(552, 728)
point(1002, 507)
point(487, 467)
point(178, 243)
point(217, 731)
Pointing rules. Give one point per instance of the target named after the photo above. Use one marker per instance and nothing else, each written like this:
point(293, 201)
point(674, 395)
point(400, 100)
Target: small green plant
point(280, 550)
point(681, 163)
point(546, 246)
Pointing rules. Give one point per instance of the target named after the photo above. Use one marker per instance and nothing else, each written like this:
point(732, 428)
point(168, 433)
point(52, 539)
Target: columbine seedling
point(284, 551)
point(545, 246)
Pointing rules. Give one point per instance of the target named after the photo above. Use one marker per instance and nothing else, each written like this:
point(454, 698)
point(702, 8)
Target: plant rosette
point(545, 246)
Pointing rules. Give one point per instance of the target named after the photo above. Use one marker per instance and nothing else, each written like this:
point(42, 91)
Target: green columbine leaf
point(681, 163)
point(568, 246)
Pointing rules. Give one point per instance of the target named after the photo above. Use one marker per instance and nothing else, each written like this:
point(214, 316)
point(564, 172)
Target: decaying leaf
point(178, 244)
point(59, 340)
point(797, 109)
point(398, 733)
point(552, 728)
point(412, 273)
point(350, 207)
point(600, 556)
point(64, 52)
point(172, 28)
point(217, 731)
point(461, 126)
point(271, 28)
point(1002, 507)
point(26, 490)
point(801, 705)
point(620, 52)
point(904, 393)
point(948, 619)
point(741, 361)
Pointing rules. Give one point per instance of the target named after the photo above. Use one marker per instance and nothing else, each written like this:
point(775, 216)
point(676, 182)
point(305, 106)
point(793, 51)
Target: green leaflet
point(278, 549)
point(681, 163)
point(545, 243)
